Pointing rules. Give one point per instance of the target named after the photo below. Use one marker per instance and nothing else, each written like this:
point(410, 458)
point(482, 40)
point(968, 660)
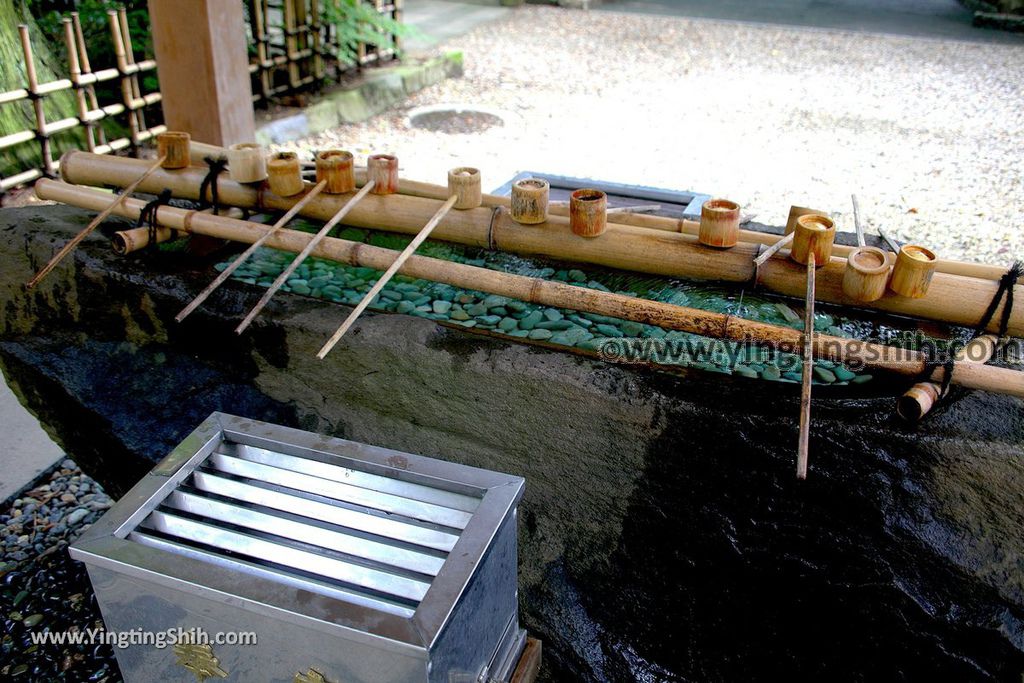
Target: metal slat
point(428, 512)
point(268, 551)
point(373, 551)
point(333, 514)
point(249, 568)
point(345, 475)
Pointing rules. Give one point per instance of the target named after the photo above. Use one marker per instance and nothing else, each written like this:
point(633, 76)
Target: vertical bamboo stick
point(90, 90)
point(803, 445)
point(290, 43)
point(316, 26)
point(306, 251)
point(75, 69)
point(37, 102)
point(129, 52)
point(126, 86)
point(226, 273)
point(388, 274)
point(259, 11)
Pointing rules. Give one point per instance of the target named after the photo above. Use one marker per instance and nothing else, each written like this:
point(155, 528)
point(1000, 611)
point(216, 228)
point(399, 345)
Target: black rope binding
point(1006, 285)
point(147, 217)
point(217, 166)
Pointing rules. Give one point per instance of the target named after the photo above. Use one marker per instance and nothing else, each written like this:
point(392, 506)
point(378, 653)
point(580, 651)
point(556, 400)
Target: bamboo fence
point(82, 81)
point(293, 49)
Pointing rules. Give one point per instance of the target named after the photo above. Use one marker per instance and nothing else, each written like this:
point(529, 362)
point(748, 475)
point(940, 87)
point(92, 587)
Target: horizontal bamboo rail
point(553, 293)
point(951, 298)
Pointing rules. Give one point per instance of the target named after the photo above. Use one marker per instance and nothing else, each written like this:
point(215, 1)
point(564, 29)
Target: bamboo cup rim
point(283, 156)
point(334, 154)
point(588, 194)
point(719, 205)
point(816, 222)
point(532, 183)
point(467, 171)
point(239, 146)
point(860, 260)
point(915, 251)
point(383, 157)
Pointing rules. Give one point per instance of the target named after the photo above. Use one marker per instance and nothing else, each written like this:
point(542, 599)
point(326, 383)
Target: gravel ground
point(42, 588)
point(927, 133)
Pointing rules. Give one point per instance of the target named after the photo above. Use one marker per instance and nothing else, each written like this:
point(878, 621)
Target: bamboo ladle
point(87, 230)
point(803, 444)
point(464, 184)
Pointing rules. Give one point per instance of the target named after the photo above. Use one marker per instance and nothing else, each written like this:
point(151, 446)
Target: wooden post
point(204, 69)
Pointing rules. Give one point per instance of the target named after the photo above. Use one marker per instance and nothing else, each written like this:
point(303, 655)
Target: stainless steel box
point(350, 563)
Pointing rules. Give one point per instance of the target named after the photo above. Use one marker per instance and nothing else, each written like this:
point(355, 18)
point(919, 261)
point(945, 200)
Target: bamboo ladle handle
point(388, 274)
point(306, 251)
point(87, 230)
point(226, 273)
point(803, 445)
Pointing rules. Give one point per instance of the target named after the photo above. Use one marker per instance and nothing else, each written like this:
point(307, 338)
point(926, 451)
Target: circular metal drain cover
point(455, 119)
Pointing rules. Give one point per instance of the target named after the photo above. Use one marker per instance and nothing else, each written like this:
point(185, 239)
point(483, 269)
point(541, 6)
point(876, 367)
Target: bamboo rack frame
point(295, 49)
point(951, 298)
point(553, 293)
point(81, 80)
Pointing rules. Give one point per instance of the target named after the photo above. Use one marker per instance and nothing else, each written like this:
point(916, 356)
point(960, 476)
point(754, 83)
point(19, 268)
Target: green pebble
point(319, 281)
point(32, 620)
point(508, 324)
point(300, 289)
point(860, 379)
point(576, 276)
point(404, 307)
point(466, 298)
point(843, 373)
point(459, 315)
point(540, 335)
point(494, 300)
point(331, 290)
point(406, 287)
point(468, 323)
point(477, 309)
point(581, 321)
point(631, 329)
point(744, 371)
point(422, 301)
point(552, 314)
point(824, 374)
point(500, 310)
point(792, 376)
point(356, 283)
point(442, 307)
point(655, 333)
point(425, 309)
point(592, 344)
point(412, 295)
point(298, 281)
point(391, 294)
point(489, 319)
point(594, 284)
point(530, 321)
point(519, 333)
point(517, 306)
point(316, 291)
point(556, 325)
point(608, 330)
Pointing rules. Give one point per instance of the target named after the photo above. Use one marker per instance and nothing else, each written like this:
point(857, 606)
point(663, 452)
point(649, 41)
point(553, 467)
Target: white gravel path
point(927, 133)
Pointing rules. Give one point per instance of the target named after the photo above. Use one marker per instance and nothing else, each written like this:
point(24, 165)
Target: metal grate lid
point(368, 526)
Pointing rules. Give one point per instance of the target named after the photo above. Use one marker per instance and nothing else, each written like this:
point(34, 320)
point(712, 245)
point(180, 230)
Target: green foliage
point(358, 22)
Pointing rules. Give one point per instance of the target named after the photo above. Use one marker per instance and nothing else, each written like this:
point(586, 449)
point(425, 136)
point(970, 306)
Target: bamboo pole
point(129, 241)
point(75, 70)
point(803, 444)
point(129, 53)
point(90, 88)
point(951, 298)
point(243, 257)
point(557, 294)
point(772, 250)
point(37, 102)
point(311, 244)
point(67, 249)
point(922, 397)
point(126, 86)
point(386, 277)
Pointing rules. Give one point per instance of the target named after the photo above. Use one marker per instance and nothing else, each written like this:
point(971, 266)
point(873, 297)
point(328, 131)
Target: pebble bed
point(929, 134)
point(524, 321)
point(42, 588)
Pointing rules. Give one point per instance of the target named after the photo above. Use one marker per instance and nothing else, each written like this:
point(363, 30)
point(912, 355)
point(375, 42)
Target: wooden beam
point(204, 69)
